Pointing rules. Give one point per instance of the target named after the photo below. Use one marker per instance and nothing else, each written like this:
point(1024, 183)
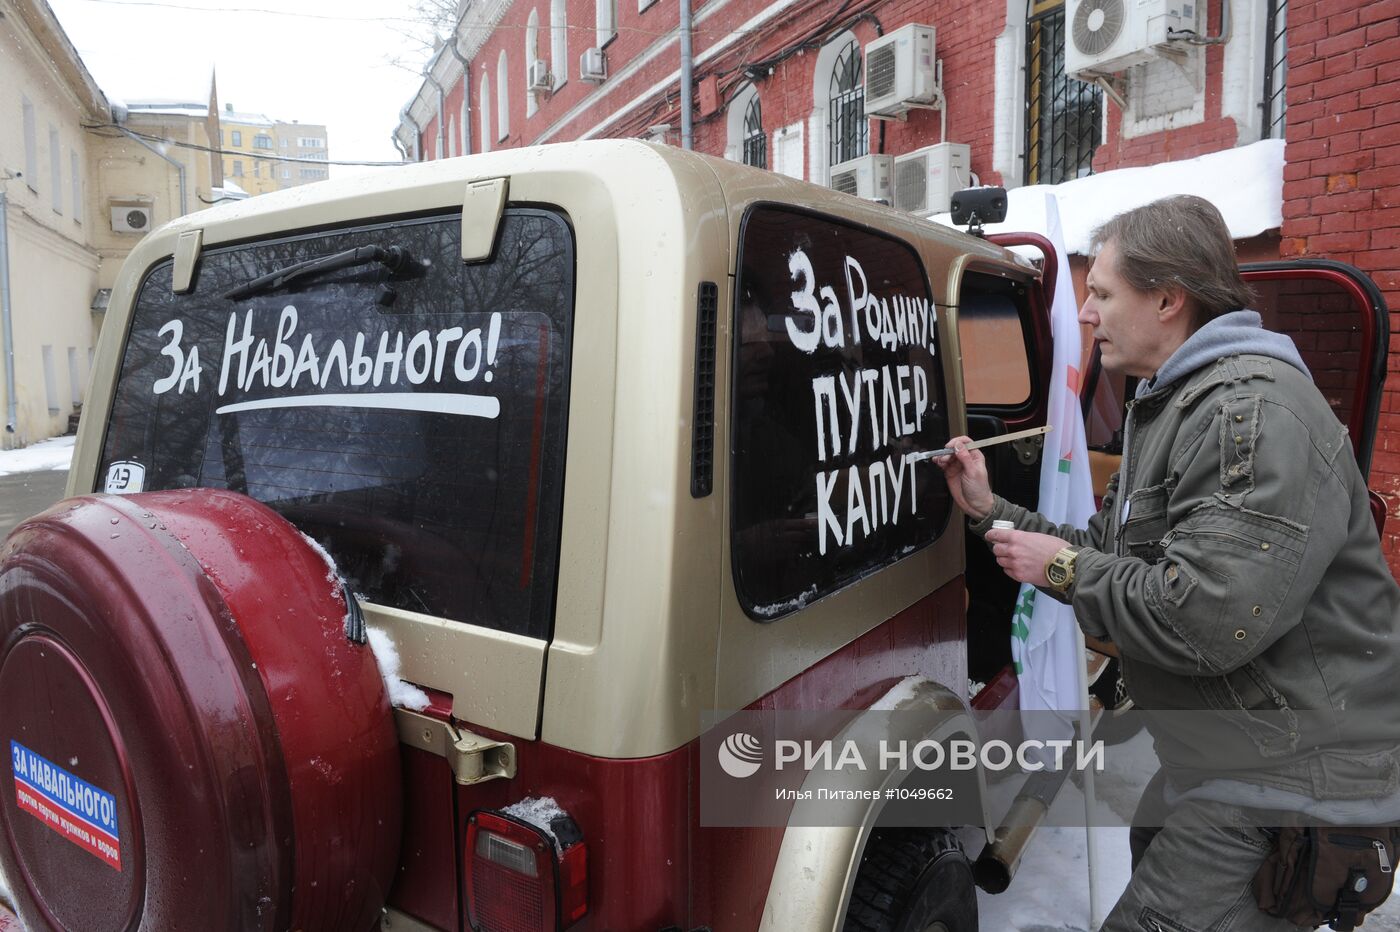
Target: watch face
point(1057, 574)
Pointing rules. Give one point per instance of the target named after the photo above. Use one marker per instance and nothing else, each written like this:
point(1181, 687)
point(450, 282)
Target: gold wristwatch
point(1059, 572)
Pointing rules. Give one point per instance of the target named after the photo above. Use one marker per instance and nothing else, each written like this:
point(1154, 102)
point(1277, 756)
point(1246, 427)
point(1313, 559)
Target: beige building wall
point(250, 146)
point(128, 174)
point(45, 97)
point(308, 144)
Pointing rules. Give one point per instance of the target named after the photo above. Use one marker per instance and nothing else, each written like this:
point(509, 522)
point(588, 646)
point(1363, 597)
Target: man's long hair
point(1179, 242)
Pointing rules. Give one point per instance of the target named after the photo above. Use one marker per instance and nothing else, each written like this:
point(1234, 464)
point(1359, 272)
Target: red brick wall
point(965, 41)
point(1212, 134)
point(1342, 180)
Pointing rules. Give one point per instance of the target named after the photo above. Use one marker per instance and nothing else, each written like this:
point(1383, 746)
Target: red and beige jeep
point(592, 440)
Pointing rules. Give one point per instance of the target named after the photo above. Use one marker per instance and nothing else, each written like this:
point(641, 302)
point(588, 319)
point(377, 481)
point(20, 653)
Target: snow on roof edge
point(1245, 184)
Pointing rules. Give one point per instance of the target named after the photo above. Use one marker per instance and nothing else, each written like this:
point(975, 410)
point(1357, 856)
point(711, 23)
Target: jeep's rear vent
point(702, 442)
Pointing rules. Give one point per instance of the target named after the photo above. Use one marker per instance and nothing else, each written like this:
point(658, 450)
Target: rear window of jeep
point(838, 382)
point(412, 421)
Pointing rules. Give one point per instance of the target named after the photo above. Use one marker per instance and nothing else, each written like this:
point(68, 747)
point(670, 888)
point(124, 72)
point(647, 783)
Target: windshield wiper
point(393, 258)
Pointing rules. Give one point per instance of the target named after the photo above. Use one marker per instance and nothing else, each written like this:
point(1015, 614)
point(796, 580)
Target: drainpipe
point(406, 117)
point(184, 204)
point(466, 92)
point(441, 112)
point(687, 66)
point(12, 403)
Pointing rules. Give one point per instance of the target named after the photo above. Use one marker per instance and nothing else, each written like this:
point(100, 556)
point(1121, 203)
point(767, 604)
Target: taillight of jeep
point(200, 733)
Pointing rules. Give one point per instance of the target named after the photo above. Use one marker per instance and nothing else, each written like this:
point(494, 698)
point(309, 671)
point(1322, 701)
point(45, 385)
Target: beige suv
point(596, 440)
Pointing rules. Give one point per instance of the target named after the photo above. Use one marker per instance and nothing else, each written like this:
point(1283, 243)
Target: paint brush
point(977, 444)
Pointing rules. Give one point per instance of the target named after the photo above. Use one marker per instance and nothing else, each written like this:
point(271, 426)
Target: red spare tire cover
point(193, 742)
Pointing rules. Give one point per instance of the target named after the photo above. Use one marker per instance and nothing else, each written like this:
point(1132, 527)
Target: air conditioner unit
point(539, 77)
point(925, 179)
point(593, 66)
point(1109, 36)
point(899, 71)
point(867, 177)
point(130, 218)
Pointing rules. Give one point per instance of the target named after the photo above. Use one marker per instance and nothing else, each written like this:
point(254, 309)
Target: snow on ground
point(46, 454)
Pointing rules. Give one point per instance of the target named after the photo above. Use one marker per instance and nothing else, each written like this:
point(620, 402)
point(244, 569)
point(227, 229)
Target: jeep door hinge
point(187, 250)
point(473, 758)
point(482, 207)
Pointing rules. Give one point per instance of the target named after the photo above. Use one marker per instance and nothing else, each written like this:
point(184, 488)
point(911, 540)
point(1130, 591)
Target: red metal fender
point(192, 740)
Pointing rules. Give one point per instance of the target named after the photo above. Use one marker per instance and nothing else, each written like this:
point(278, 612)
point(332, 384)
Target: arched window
point(837, 128)
point(606, 21)
point(532, 52)
point(755, 142)
point(747, 142)
point(848, 132)
point(485, 109)
point(1063, 116)
point(502, 96)
point(558, 42)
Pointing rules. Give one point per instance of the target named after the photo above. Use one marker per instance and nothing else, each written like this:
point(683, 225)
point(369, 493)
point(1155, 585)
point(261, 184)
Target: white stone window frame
point(502, 96)
point(734, 122)
point(605, 21)
point(76, 180)
point(31, 145)
point(818, 143)
point(484, 94)
point(559, 42)
point(55, 170)
point(532, 54)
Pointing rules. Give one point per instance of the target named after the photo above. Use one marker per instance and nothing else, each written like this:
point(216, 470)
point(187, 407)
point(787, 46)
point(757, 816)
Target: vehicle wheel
point(194, 742)
point(913, 880)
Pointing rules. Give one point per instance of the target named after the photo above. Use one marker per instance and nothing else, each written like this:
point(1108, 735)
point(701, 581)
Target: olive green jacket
point(1245, 577)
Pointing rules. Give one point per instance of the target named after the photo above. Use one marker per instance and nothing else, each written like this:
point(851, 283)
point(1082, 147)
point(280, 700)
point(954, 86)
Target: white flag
point(1045, 641)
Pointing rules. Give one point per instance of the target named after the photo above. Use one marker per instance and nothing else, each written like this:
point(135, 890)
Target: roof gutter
point(407, 117)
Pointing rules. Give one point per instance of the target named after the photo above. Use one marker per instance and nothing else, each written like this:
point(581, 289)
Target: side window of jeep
point(838, 382)
point(412, 422)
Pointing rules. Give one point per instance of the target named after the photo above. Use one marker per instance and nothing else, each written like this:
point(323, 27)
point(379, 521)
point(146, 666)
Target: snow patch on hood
point(540, 812)
point(386, 653)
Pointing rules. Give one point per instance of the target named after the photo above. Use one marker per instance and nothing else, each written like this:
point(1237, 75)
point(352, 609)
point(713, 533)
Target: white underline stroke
point(486, 406)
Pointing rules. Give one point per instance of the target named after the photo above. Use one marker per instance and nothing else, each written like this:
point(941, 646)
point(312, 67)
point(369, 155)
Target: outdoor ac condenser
point(925, 179)
point(593, 66)
point(867, 177)
point(130, 218)
point(539, 77)
point(1109, 36)
point(899, 71)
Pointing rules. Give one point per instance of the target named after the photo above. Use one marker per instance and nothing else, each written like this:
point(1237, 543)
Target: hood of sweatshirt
point(1227, 335)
